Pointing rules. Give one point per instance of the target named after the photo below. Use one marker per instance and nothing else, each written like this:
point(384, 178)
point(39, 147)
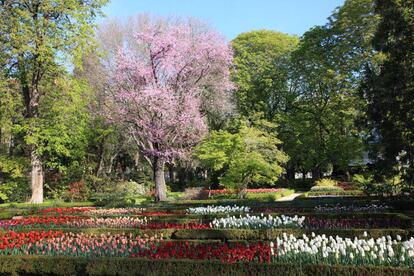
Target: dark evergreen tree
point(389, 90)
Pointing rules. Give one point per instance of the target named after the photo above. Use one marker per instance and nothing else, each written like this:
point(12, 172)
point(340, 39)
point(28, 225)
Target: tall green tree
point(389, 91)
point(38, 38)
point(261, 72)
point(320, 131)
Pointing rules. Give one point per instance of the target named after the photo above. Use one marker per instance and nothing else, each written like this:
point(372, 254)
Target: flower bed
point(116, 211)
point(66, 210)
point(38, 222)
point(351, 208)
point(347, 223)
point(337, 250)
point(285, 249)
point(53, 243)
point(252, 191)
point(257, 222)
point(217, 210)
point(164, 225)
point(118, 222)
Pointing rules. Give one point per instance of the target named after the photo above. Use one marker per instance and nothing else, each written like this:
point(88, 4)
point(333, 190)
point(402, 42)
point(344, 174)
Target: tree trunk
point(159, 178)
point(37, 177)
point(171, 173)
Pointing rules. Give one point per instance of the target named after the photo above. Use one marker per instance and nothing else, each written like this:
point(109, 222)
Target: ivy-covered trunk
point(35, 160)
point(159, 178)
point(36, 177)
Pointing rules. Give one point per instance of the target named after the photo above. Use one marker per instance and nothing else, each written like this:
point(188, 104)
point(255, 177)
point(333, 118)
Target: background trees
point(37, 37)
point(261, 72)
point(389, 90)
point(133, 105)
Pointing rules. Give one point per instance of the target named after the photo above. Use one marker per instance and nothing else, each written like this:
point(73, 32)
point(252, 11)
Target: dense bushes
point(244, 234)
point(39, 265)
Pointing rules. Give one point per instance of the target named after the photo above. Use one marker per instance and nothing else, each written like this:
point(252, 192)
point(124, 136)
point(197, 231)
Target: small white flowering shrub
point(218, 210)
point(337, 250)
point(257, 222)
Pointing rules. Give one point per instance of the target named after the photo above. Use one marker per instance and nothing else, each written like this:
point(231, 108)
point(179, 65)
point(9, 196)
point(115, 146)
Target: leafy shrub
point(121, 194)
point(335, 193)
point(390, 186)
point(77, 191)
point(57, 192)
point(326, 189)
point(15, 191)
point(325, 182)
point(13, 183)
point(58, 265)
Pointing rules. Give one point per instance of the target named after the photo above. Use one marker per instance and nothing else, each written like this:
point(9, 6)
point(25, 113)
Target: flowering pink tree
point(160, 83)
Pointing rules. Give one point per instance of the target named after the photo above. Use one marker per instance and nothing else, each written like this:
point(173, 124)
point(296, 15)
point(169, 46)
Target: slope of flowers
point(29, 222)
point(66, 210)
point(286, 249)
point(347, 223)
point(53, 243)
point(337, 250)
point(217, 210)
point(115, 211)
point(118, 222)
point(257, 222)
point(69, 244)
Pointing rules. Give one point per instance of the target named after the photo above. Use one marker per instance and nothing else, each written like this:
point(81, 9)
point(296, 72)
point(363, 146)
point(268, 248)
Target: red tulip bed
point(53, 243)
point(168, 235)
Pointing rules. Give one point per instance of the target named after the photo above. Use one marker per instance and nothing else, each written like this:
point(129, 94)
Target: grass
point(46, 203)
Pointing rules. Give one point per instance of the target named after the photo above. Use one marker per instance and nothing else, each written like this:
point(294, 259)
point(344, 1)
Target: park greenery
point(152, 146)
point(167, 104)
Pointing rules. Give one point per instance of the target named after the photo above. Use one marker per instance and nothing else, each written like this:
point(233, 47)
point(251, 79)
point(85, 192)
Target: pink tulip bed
point(196, 237)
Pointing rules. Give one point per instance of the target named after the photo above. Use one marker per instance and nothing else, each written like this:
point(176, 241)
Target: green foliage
point(217, 149)
point(60, 141)
point(393, 185)
point(250, 156)
point(260, 61)
point(325, 182)
point(42, 265)
point(247, 234)
point(13, 186)
point(319, 130)
point(118, 194)
point(326, 189)
point(389, 90)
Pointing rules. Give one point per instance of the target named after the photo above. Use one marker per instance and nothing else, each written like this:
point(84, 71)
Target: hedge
point(245, 234)
point(44, 265)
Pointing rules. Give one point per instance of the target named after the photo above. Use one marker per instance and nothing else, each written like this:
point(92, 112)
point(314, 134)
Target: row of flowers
point(257, 222)
point(53, 243)
point(369, 208)
point(230, 222)
point(251, 191)
point(337, 250)
point(211, 209)
point(83, 222)
point(287, 248)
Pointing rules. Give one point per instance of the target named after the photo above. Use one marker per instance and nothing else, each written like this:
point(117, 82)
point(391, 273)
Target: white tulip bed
point(337, 250)
point(217, 210)
point(257, 222)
